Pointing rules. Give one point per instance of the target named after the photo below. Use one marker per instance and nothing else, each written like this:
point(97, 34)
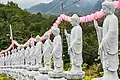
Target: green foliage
point(4, 77)
point(24, 24)
point(93, 71)
point(88, 77)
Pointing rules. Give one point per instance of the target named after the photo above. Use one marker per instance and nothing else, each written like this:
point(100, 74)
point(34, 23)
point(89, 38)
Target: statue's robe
point(38, 53)
point(1, 60)
point(27, 52)
point(57, 54)
point(21, 57)
point(76, 46)
point(47, 50)
point(13, 58)
point(31, 55)
point(5, 58)
point(108, 36)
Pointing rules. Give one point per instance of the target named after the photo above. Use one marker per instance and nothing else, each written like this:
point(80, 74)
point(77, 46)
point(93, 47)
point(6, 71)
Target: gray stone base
point(33, 68)
point(74, 76)
point(44, 71)
point(55, 75)
point(57, 79)
point(97, 78)
point(41, 77)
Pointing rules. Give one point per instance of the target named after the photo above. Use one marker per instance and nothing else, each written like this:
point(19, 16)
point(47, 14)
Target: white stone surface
point(55, 75)
point(74, 76)
point(108, 42)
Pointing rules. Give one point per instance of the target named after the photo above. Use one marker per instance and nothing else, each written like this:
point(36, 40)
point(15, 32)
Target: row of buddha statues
point(108, 48)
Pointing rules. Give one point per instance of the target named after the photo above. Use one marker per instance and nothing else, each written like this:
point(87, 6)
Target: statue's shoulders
point(76, 28)
point(112, 17)
point(58, 36)
point(38, 43)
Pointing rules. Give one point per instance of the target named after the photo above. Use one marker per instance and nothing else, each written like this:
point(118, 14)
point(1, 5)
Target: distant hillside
point(82, 7)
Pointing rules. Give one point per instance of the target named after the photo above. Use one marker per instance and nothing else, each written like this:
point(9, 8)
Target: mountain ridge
point(79, 7)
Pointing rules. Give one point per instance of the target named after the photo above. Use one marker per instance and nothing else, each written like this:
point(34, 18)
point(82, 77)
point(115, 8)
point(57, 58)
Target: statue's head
point(12, 51)
point(46, 35)
point(15, 50)
point(108, 7)
point(37, 38)
point(5, 53)
point(2, 55)
point(32, 43)
point(8, 52)
point(18, 48)
point(56, 31)
point(75, 20)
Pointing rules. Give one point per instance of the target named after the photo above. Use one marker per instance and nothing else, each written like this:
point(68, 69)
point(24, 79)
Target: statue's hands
point(96, 24)
point(98, 58)
point(100, 47)
point(69, 49)
point(65, 31)
point(52, 53)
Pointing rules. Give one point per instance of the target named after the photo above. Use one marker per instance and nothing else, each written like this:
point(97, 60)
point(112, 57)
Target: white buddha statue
point(1, 60)
point(108, 41)
point(9, 57)
point(38, 52)
point(75, 45)
point(27, 52)
point(13, 57)
point(5, 58)
point(21, 57)
point(47, 50)
point(57, 51)
point(31, 54)
point(18, 55)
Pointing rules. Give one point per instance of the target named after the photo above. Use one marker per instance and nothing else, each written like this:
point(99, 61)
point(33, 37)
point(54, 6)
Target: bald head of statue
point(75, 20)
point(108, 7)
point(56, 31)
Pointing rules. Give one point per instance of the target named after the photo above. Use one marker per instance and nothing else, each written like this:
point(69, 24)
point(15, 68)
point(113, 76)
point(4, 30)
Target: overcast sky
point(26, 3)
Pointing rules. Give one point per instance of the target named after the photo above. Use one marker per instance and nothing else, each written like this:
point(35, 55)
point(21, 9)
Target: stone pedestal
point(55, 75)
point(41, 77)
point(98, 78)
point(57, 79)
point(45, 71)
point(74, 76)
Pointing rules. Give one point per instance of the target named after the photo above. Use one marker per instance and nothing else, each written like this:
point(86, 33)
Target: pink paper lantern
point(117, 4)
point(50, 32)
point(58, 22)
point(62, 16)
point(92, 16)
